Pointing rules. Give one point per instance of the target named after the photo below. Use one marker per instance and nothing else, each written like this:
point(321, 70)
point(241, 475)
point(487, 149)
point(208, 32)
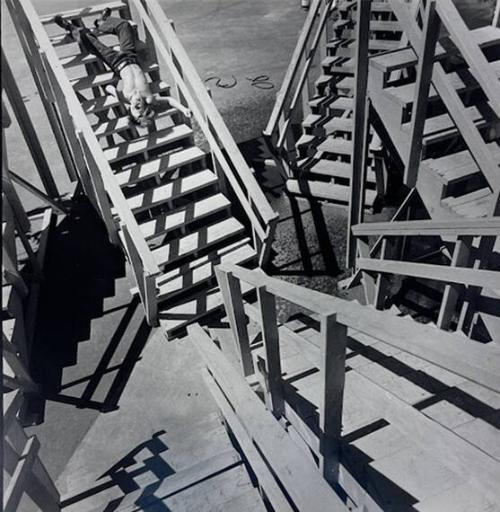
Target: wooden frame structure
point(85, 159)
point(335, 317)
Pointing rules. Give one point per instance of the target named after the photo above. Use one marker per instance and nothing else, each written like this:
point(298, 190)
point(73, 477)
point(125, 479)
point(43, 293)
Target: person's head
point(141, 113)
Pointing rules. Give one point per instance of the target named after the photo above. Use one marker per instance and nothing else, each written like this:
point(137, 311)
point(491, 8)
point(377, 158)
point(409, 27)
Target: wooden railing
point(228, 162)
point(476, 362)
point(83, 154)
point(456, 276)
point(292, 100)
point(27, 474)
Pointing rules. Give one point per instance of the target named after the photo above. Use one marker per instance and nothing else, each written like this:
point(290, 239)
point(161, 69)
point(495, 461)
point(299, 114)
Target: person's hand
point(187, 113)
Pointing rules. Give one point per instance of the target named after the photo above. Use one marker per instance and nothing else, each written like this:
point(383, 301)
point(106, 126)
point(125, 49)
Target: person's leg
point(125, 32)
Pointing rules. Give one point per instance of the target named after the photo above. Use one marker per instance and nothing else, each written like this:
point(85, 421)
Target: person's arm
point(173, 103)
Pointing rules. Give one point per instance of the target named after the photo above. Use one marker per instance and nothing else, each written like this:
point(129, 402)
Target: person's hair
point(144, 119)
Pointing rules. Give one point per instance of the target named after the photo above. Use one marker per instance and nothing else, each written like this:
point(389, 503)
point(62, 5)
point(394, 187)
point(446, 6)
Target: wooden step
point(81, 59)
point(311, 120)
point(344, 68)
point(486, 36)
point(471, 197)
point(339, 124)
point(322, 81)
point(149, 142)
point(304, 140)
point(82, 12)
point(197, 242)
point(175, 318)
point(166, 163)
point(346, 85)
point(120, 124)
point(332, 169)
point(200, 271)
point(342, 103)
point(101, 79)
point(401, 59)
point(336, 146)
point(184, 216)
point(171, 191)
point(326, 191)
point(108, 101)
point(458, 166)
point(476, 209)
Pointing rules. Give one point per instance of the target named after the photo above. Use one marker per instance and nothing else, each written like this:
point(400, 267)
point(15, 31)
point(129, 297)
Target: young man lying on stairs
point(136, 93)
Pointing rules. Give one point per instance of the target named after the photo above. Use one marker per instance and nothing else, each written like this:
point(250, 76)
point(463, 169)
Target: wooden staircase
point(175, 207)
point(376, 401)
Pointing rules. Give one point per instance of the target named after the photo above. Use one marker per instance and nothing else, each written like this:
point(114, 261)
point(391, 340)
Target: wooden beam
point(270, 335)
point(423, 83)
point(233, 302)
point(333, 352)
point(465, 276)
point(443, 228)
point(266, 480)
point(361, 131)
point(296, 472)
point(460, 258)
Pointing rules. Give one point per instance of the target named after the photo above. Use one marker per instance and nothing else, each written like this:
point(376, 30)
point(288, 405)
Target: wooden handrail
point(443, 228)
point(207, 115)
point(82, 124)
point(293, 68)
point(471, 52)
point(475, 362)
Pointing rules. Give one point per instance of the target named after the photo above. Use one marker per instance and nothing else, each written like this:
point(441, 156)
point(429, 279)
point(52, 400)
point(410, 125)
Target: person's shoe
point(61, 22)
point(104, 16)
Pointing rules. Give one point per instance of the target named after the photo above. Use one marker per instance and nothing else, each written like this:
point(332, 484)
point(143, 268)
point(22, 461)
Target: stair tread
point(101, 79)
point(81, 59)
point(326, 191)
point(176, 317)
point(184, 215)
point(197, 241)
point(459, 165)
point(486, 36)
point(400, 58)
point(334, 169)
point(310, 120)
point(147, 143)
point(404, 94)
point(346, 83)
point(108, 101)
point(119, 124)
point(84, 11)
point(344, 124)
point(203, 272)
point(168, 162)
point(304, 139)
point(336, 145)
point(342, 103)
point(172, 190)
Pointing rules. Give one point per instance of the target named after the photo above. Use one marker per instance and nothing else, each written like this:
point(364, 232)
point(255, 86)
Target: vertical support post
point(274, 393)
point(496, 15)
point(368, 281)
point(361, 132)
point(424, 76)
point(460, 258)
point(27, 129)
point(233, 302)
point(333, 351)
point(150, 299)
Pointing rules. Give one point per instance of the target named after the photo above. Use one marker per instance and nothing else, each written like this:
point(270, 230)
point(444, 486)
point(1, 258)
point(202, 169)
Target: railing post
point(361, 131)
point(420, 100)
point(333, 352)
point(274, 396)
point(233, 302)
point(460, 258)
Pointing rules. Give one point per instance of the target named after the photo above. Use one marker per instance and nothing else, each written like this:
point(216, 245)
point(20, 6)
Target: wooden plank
point(431, 227)
point(460, 258)
point(297, 473)
point(270, 335)
point(333, 352)
point(233, 303)
point(466, 276)
point(457, 454)
point(266, 480)
point(423, 83)
point(85, 11)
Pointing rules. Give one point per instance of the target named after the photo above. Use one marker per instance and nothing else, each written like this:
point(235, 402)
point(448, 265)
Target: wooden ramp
point(400, 415)
point(176, 207)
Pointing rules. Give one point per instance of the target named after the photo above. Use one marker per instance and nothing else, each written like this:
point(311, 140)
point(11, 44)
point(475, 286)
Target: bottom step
point(326, 191)
point(176, 318)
